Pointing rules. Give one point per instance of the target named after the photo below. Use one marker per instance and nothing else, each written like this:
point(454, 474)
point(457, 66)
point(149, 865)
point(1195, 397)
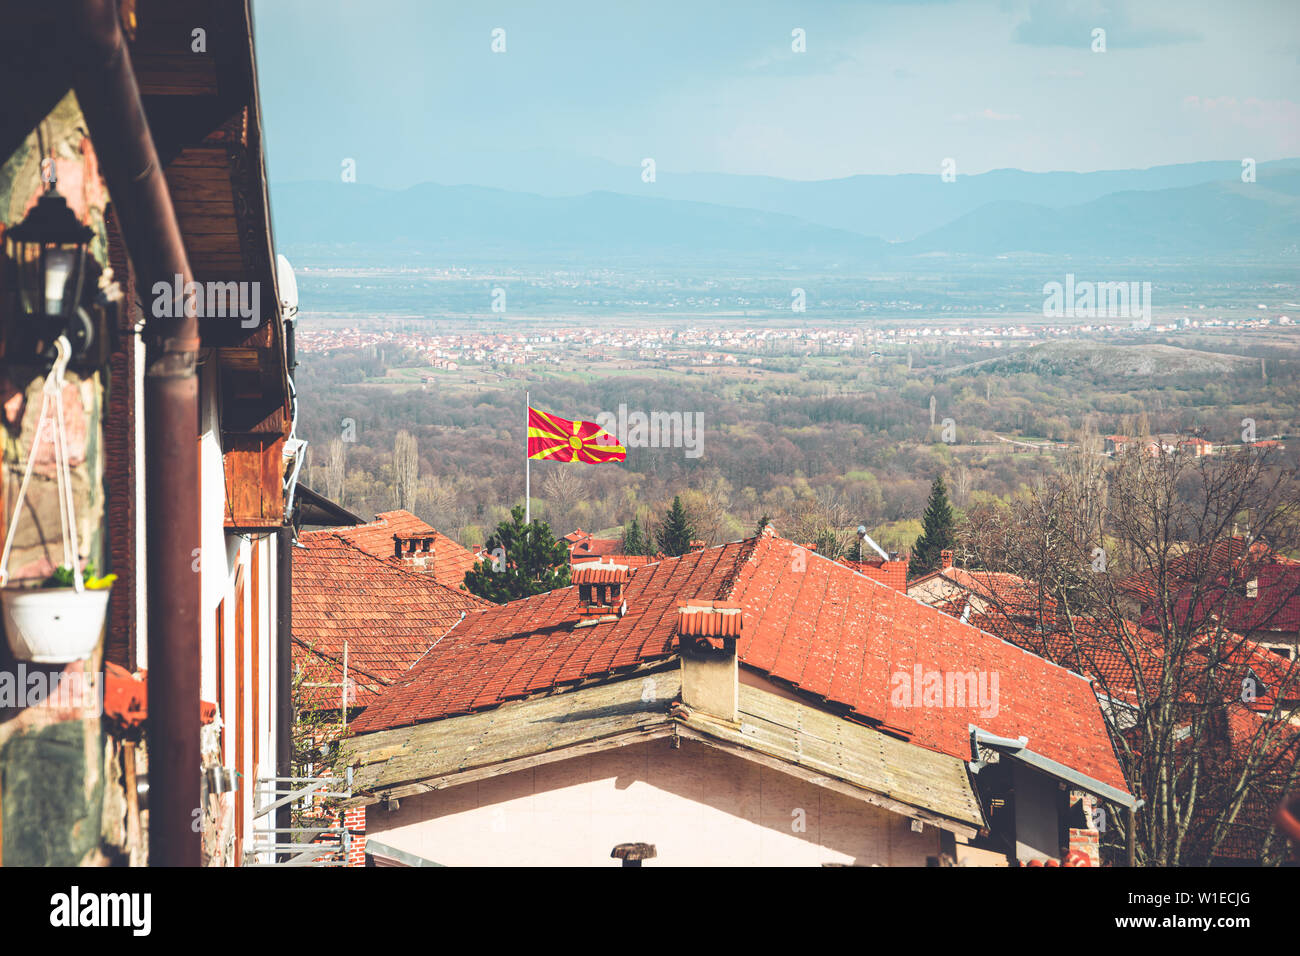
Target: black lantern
point(47, 261)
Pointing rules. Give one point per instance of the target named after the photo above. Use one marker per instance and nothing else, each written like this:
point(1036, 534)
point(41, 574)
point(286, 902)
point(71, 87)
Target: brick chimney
point(600, 589)
point(414, 551)
point(1084, 842)
point(706, 633)
point(945, 560)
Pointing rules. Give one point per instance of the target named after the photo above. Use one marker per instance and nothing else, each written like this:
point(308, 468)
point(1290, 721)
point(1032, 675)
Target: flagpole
point(528, 465)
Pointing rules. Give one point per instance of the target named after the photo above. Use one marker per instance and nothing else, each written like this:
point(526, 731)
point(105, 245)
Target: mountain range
point(1200, 209)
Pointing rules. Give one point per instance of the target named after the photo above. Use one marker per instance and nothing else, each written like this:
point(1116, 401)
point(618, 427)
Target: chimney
point(945, 560)
point(600, 589)
point(891, 572)
point(633, 853)
point(706, 634)
point(414, 551)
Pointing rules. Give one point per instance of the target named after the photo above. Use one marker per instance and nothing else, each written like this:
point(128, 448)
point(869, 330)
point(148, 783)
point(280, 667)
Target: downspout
point(110, 100)
point(284, 674)
point(284, 634)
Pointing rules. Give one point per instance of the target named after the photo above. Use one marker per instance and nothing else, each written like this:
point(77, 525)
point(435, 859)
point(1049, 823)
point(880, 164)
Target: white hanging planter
point(61, 624)
point(53, 625)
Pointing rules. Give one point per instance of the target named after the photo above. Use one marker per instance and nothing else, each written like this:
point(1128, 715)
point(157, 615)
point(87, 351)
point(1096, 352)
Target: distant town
point(713, 344)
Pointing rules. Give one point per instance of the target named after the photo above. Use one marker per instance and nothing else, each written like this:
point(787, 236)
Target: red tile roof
point(1275, 608)
point(388, 615)
point(1008, 592)
point(630, 560)
point(450, 560)
point(892, 573)
point(583, 544)
point(1132, 668)
point(1227, 557)
point(823, 630)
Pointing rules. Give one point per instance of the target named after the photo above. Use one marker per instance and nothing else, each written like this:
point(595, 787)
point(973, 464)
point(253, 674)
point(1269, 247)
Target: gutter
point(1019, 748)
point(382, 850)
point(105, 84)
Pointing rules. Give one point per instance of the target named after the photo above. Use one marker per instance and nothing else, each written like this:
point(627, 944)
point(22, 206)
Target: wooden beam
point(831, 783)
point(443, 781)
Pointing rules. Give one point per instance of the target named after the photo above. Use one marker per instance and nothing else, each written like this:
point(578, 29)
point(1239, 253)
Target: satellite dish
point(288, 284)
point(862, 531)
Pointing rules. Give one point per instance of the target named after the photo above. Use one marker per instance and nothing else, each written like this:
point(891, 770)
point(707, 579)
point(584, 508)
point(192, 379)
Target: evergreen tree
point(937, 532)
point(522, 560)
point(633, 541)
point(675, 531)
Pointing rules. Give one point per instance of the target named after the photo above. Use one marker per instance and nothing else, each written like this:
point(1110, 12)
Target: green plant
point(63, 578)
point(675, 531)
point(523, 560)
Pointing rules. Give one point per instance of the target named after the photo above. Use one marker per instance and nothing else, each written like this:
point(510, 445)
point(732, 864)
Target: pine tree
point(937, 532)
point(633, 541)
point(675, 531)
point(523, 559)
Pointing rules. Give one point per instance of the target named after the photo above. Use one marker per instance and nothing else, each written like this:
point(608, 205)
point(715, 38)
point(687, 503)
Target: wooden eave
point(787, 736)
point(206, 118)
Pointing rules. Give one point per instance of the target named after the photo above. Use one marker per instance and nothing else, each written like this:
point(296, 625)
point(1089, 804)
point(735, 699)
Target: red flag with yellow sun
point(554, 438)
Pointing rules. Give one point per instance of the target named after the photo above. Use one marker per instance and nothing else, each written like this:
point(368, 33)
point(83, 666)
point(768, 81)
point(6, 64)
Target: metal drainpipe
point(110, 100)
point(284, 639)
point(284, 675)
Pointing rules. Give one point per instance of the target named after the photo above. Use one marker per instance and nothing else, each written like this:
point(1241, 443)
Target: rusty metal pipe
point(110, 100)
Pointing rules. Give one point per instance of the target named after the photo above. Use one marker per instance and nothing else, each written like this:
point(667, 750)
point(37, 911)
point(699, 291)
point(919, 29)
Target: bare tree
point(707, 504)
point(406, 470)
point(1135, 576)
point(961, 485)
point(825, 518)
point(563, 488)
point(335, 470)
point(438, 504)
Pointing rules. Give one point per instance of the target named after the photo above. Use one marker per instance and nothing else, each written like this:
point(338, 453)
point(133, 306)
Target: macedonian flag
point(558, 439)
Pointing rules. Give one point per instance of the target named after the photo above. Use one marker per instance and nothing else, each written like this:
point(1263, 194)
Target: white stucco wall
point(224, 554)
point(697, 805)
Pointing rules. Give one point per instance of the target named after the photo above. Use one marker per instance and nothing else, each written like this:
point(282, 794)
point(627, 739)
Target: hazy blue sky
point(409, 88)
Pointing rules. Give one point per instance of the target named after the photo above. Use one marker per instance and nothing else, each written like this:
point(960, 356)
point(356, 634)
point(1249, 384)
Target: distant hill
point(894, 207)
point(1207, 219)
point(475, 222)
point(1100, 363)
